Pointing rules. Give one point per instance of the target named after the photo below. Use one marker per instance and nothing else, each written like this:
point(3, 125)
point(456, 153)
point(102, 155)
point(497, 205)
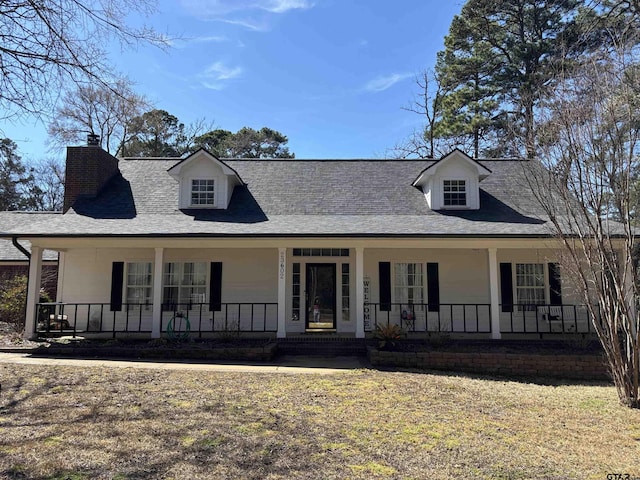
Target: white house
point(291, 247)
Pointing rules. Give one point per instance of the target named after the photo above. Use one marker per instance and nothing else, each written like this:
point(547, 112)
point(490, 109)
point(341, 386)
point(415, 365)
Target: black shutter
point(117, 277)
point(506, 287)
point(384, 278)
point(215, 287)
point(555, 289)
point(433, 287)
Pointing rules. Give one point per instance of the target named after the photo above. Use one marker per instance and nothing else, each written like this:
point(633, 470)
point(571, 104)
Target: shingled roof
point(8, 252)
point(300, 198)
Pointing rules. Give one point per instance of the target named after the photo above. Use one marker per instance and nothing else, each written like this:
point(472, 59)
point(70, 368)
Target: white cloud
point(249, 24)
point(216, 8)
point(380, 84)
point(217, 74)
point(281, 6)
point(208, 39)
point(186, 41)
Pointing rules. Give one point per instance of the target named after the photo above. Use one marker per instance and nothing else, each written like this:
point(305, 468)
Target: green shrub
point(13, 296)
point(388, 336)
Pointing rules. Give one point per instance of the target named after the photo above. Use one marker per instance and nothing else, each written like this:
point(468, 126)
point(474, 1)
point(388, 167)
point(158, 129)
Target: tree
point(45, 190)
point(103, 110)
point(424, 143)
point(214, 141)
point(466, 68)
point(245, 143)
point(499, 62)
point(588, 190)
point(14, 177)
point(156, 133)
point(263, 143)
point(49, 44)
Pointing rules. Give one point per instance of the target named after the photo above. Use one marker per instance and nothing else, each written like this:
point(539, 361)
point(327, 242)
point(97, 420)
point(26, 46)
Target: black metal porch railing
point(99, 318)
point(548, 319)
point(228, 318)
point(443, 317)
point(476, 318)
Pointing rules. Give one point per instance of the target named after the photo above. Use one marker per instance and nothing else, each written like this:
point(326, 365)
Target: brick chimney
point(88, 170)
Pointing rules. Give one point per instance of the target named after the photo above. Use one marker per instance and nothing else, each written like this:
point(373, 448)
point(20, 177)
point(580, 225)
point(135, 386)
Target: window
point(455, 193)
point(345, 292)
point(295, 292)
point(320, 252)
point(184, 284)
point(529, 284)
point(408, 283)
point(139, 284)
point(202, 192)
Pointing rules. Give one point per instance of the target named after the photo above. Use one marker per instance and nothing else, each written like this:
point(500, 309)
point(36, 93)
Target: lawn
point(104, 423)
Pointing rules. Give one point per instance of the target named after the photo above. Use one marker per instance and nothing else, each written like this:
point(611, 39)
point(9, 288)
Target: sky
point(332, 75)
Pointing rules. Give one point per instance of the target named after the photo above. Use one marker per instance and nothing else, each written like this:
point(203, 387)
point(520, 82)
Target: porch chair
point(407, 318)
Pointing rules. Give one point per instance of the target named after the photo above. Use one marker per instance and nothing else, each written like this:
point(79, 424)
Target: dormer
point(205, 181)
point(453, 182)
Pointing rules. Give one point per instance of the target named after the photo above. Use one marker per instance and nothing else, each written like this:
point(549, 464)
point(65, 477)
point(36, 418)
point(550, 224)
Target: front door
point(321, 296)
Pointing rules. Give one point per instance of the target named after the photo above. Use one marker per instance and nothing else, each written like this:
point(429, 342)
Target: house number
point(281, 265)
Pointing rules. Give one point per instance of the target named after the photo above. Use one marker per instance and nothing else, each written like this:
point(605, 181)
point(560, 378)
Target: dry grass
point(94, 423)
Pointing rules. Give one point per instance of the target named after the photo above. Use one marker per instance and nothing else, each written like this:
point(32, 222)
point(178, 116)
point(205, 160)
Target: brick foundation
point(568, 366)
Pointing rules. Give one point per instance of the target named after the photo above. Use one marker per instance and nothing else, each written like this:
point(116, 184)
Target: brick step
point(327, 348)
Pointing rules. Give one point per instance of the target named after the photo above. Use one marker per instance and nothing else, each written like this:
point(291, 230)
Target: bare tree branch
point(47, 44)
point(591, 153)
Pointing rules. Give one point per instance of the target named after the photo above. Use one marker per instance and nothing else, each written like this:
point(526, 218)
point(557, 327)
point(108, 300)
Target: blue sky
point(332, 75)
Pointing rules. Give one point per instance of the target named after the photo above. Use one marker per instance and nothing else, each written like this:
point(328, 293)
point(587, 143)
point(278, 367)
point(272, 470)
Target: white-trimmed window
point(184, 284)
point(530, 284)
point(202, 192)
point(454, 193)
point(408, 283)
point(139, 284)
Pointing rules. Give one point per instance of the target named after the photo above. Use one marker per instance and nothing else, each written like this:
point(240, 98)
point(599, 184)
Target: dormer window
point(453, 182)
point(205, 181)
point(202, 192)
point(455, 193)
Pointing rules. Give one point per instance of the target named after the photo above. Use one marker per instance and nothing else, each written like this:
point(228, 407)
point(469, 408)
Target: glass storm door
point(321, 296)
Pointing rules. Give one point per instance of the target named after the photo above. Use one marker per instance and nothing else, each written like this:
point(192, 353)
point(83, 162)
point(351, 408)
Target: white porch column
point(493, 289)
point(60, 284)
point(156, 325)
point(282, 285)
point(359, 292)
point(33, 291)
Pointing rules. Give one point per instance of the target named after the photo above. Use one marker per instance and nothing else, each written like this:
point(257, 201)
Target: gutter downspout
point(26, 253)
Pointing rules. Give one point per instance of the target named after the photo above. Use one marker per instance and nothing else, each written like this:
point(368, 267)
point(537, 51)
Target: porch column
point(60, 284)
point(282, 285)
point(33, 291)
point(493, 291)
point(359, 292)
point(156, 325)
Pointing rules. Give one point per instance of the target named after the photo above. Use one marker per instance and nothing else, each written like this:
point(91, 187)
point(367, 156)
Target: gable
point(452, 182)
point(204, 181)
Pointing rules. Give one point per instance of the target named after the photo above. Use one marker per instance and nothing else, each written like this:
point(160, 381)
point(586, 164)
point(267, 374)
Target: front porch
point(201, 288)
point(233, 320)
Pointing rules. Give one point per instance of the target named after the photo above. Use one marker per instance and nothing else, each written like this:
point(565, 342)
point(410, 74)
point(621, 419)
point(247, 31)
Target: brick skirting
point(569, 366)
